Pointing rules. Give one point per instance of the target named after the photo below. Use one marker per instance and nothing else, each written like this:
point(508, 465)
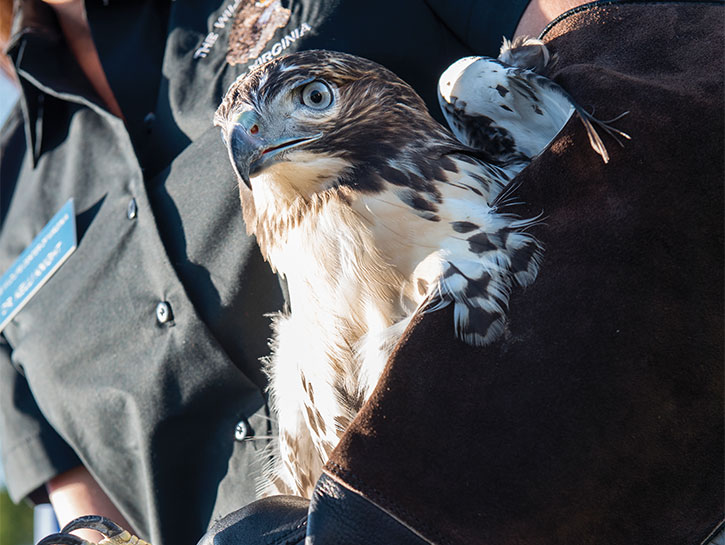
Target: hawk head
point(315, 120)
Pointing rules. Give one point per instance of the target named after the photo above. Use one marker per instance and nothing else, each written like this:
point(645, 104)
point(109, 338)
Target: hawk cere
point(372, 212)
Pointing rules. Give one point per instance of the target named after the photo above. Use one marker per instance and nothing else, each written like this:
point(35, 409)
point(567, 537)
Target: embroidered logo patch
point(254, 25)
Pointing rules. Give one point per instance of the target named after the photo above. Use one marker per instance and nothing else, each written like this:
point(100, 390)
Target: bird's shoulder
point(510, 112)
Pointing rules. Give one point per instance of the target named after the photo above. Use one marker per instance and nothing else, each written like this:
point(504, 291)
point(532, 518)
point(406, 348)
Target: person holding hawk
point(551, 428)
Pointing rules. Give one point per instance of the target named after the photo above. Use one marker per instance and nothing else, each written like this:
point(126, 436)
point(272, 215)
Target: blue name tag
point(48, 251)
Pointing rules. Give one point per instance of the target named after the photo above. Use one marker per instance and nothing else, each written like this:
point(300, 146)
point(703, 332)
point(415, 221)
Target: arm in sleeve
point(32, 451)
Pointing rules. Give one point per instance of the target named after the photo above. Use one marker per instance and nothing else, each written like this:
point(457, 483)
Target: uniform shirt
point(140, 357)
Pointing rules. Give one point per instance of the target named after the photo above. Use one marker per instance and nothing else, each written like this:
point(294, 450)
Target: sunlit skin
point(540, 13)
point(75, 493)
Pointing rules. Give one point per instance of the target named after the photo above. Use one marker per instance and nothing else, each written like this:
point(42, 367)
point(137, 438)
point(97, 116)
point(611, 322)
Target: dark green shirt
point(165, 405)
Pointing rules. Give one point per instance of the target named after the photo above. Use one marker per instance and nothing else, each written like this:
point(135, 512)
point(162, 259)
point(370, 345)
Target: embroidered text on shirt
point(255, 23)
point(278, 47)
point(220, 23)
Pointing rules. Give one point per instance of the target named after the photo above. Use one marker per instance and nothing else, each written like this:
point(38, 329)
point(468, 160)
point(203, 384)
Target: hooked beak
point(250, 152)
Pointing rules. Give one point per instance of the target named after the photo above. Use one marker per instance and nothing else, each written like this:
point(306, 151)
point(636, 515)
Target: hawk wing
point(509, 111)
point(459, 248)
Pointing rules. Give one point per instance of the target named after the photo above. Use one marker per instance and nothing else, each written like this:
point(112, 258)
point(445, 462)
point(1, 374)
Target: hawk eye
point(316, 95)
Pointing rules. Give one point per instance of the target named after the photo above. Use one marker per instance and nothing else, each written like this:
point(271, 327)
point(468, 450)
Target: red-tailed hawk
point(372, 211)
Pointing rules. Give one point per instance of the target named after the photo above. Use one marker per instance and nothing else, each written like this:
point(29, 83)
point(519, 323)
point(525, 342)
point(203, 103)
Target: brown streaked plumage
point(372, 211)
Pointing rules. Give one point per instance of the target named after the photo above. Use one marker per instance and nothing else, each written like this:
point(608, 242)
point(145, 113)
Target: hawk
point(371, 211)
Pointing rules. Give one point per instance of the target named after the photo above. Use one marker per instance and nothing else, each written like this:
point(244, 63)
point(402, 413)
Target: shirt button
point(163, 312)
point(132, 209)
point(149, 121)
point(241, 431)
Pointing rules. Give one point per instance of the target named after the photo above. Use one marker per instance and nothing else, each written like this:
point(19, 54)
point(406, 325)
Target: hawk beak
point(251, 153)
point(244, 150)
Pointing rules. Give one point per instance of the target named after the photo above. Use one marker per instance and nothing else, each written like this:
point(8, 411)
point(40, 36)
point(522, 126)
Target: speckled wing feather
point(509, 111)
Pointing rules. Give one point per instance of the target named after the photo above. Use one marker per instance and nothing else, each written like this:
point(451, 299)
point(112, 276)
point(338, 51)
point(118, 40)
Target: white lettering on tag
point(33, 253)
point(38, 272)
point(32, 269)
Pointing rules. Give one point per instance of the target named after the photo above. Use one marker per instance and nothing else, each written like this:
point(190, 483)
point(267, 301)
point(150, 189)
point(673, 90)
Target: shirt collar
point(45, 66)
point(32, 16)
